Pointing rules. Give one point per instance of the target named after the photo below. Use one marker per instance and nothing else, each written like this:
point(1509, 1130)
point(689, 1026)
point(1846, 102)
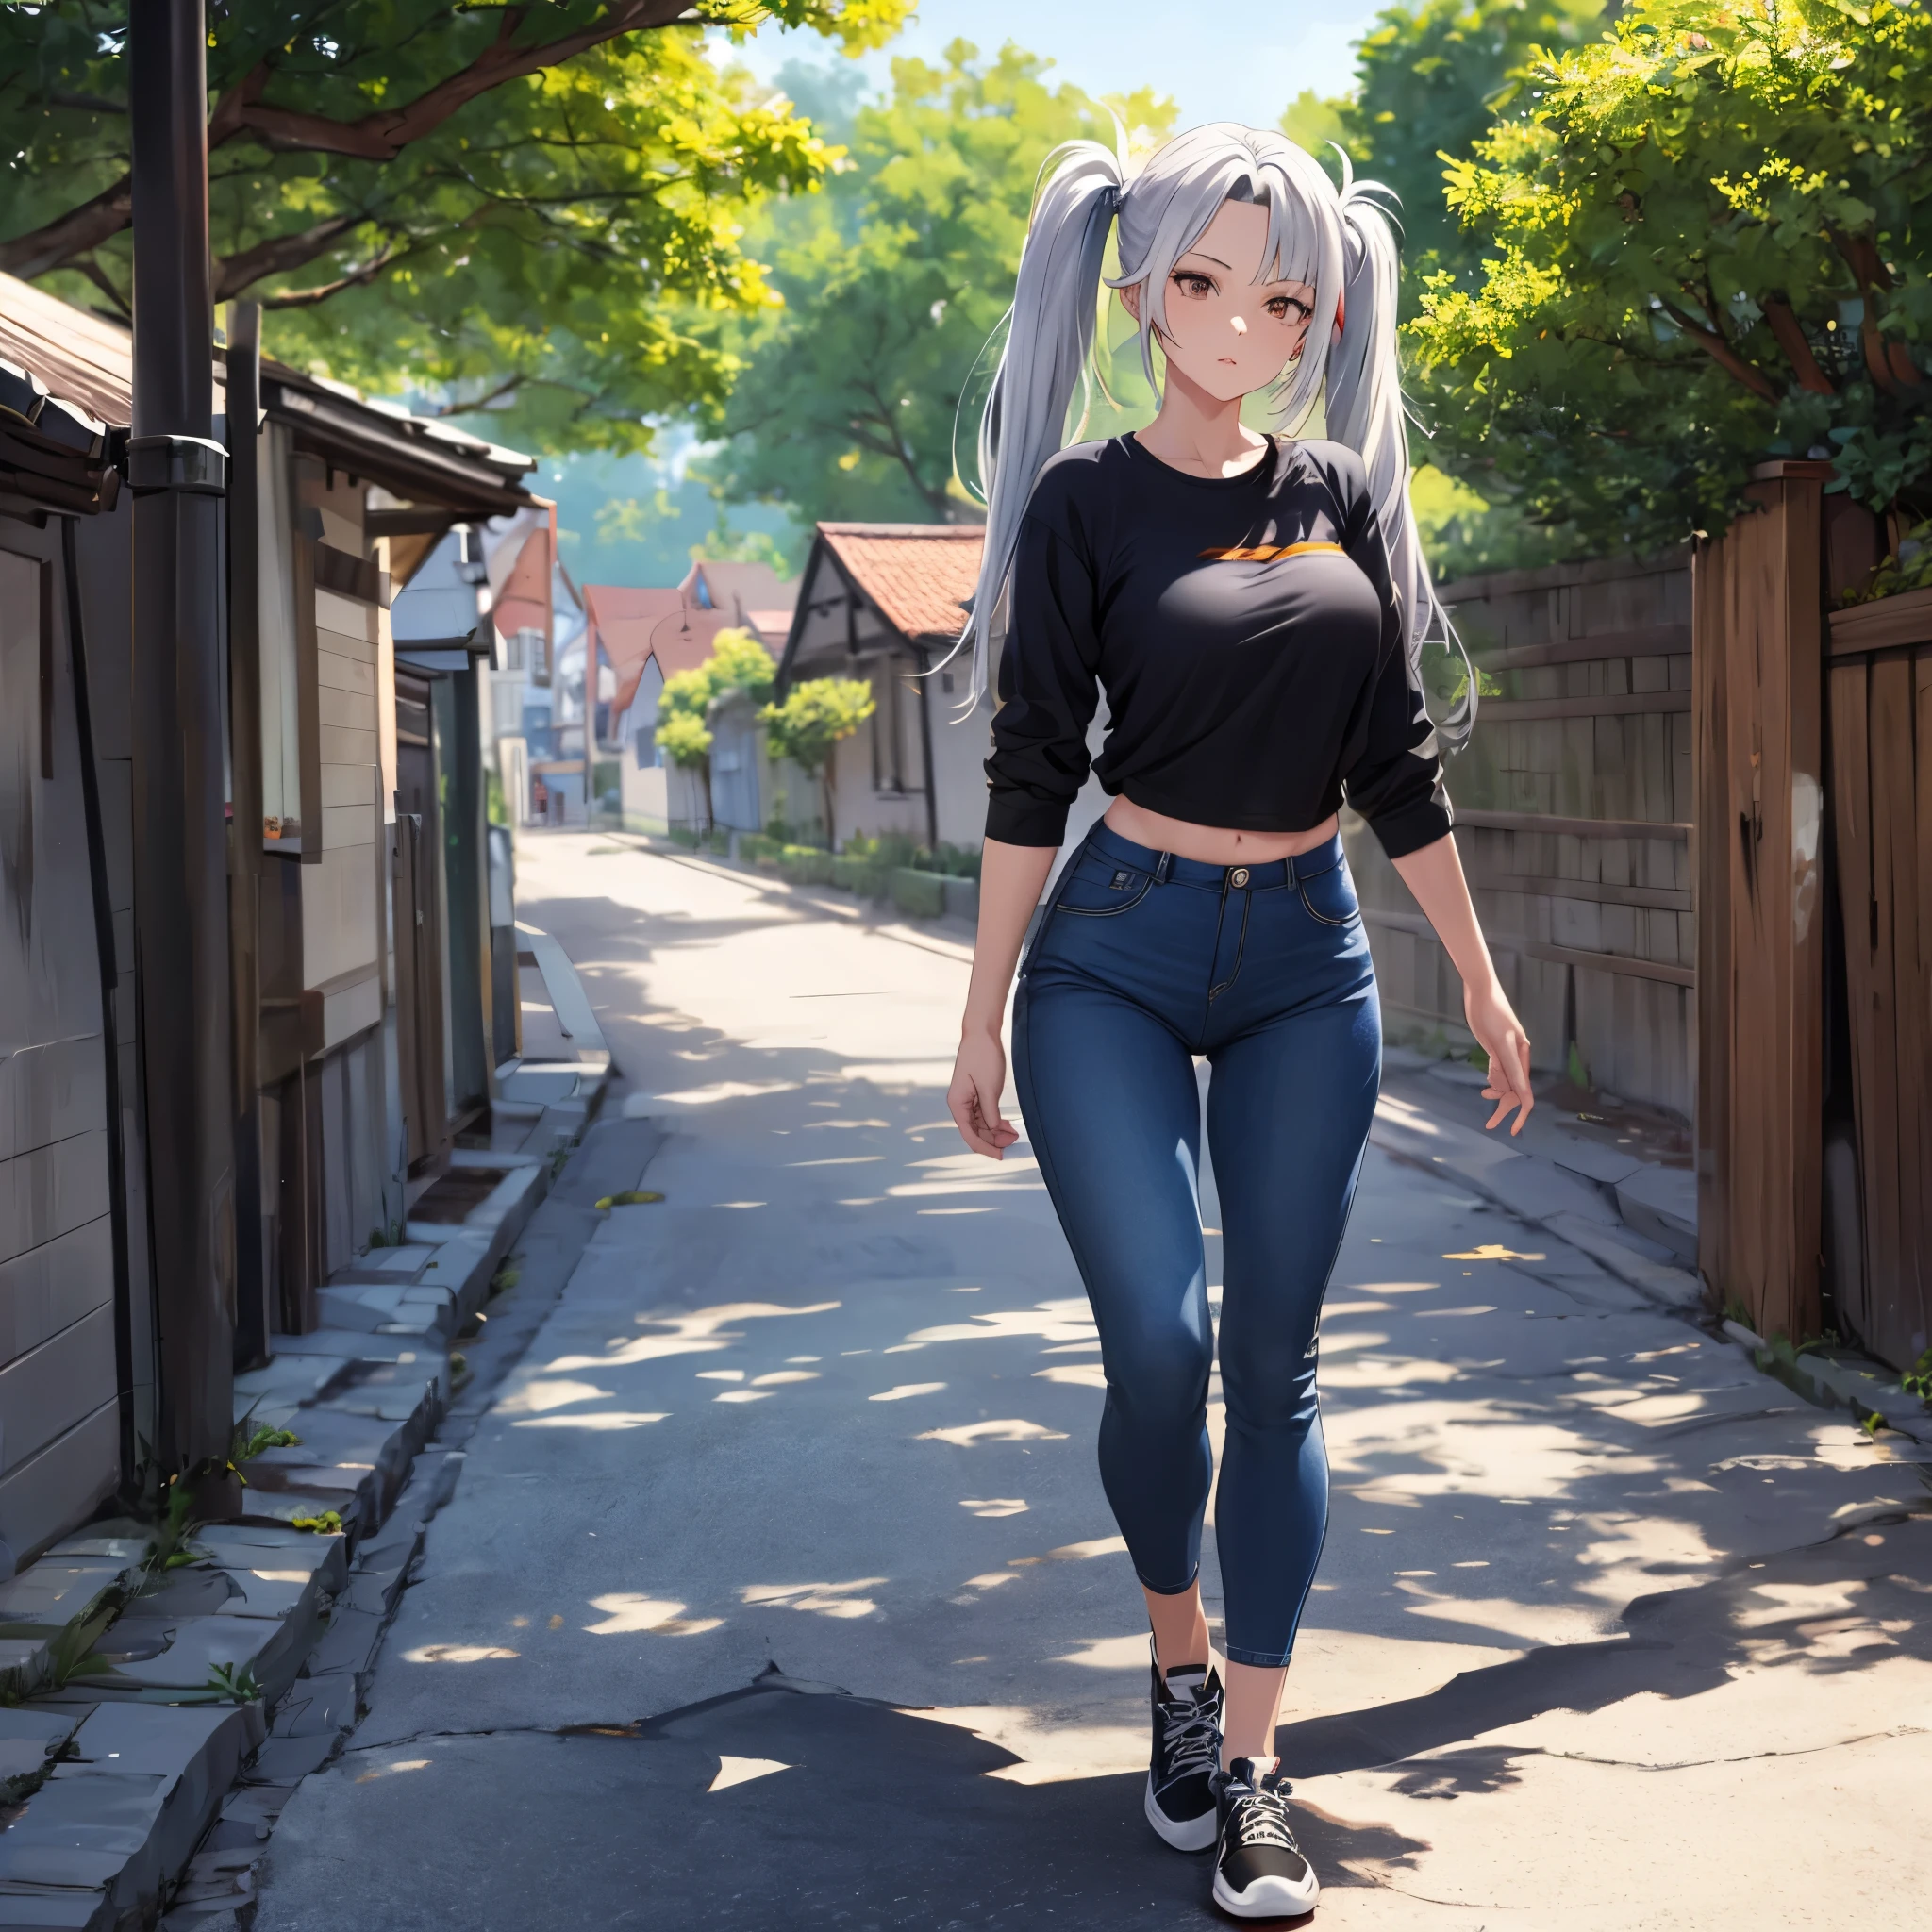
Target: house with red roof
point(886, 602)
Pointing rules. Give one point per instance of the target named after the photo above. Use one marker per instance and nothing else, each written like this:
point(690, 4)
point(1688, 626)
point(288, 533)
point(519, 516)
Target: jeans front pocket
point(1097, 887)
point(1329, 896)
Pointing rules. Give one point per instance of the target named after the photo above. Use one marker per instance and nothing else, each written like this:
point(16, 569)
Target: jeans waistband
point(1173, 870)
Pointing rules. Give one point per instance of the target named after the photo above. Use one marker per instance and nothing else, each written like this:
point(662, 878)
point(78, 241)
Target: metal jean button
point(1238, 876)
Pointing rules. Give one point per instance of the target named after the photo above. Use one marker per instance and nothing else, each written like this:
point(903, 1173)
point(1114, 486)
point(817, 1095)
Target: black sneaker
point(1187, 1749)
point(1260, 1872)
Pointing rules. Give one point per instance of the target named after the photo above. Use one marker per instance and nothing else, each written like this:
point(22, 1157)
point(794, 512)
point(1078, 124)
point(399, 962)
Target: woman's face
point(1227, 332)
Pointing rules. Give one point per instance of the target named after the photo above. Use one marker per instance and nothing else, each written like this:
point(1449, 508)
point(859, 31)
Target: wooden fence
point(1572, 807)
point(1762, 933)
point(1880, 669)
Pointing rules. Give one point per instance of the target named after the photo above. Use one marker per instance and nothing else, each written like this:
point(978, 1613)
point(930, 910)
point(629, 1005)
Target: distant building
point(886, 602)
point(644, 636)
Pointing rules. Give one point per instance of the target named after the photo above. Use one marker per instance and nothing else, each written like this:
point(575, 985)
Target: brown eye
point(1281, 305)
point(1195, 287)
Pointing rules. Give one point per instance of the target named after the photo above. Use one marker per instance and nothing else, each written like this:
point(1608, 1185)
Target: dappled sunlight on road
point(1010, 1431)
point(1573, 1535)
point(1057, 1321)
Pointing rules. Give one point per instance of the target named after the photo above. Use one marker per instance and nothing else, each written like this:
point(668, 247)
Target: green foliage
point(893, 278)
point(683, 736)
point(71, 1655)
point(1702, 243)
point(236, 1682)
point(177, 1523)
point(326, 1522)
point(1430, 80)
point(247, 1443)
point(814, 717)
point(535, 211)
point(1918, 1379)
point(738, 663)
point(1908, 568)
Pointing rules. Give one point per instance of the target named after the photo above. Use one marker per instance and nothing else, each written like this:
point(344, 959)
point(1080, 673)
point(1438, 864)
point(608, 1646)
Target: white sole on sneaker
point(1195, 1835)
point(1268, 1898)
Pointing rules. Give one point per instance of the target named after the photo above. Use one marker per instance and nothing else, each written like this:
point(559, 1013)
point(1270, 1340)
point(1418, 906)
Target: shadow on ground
point(879, 1819)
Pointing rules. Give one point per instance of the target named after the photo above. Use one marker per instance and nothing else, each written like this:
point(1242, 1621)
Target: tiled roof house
point(884, 602)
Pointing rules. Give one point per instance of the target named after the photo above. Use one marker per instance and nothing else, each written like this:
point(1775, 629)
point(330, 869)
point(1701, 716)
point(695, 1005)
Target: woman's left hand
point(1500, 1035)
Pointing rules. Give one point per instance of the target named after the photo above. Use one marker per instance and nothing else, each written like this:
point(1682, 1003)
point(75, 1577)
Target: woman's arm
point(1434, 874)
point(1010, 879)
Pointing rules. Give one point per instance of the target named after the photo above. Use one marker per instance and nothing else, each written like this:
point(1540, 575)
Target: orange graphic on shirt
point(1268, 553)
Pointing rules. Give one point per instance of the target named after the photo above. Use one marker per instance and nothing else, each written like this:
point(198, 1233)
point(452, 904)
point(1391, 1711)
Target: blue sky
point(1221, 60)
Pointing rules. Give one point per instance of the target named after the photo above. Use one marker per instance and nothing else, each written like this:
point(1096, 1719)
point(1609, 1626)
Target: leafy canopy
point(536, 208)
point(894, 278)
point(1430, 80)
point(814, 717)
point(1705, 243)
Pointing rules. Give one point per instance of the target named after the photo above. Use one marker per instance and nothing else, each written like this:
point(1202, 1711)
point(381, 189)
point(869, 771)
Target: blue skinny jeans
point(1143, 962)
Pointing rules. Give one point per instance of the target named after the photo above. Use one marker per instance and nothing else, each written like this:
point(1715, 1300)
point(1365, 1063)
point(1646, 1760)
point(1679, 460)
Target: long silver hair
point(1338, 241)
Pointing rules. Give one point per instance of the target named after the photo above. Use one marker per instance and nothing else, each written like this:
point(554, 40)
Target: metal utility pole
point(246, 860)
point(178, 474)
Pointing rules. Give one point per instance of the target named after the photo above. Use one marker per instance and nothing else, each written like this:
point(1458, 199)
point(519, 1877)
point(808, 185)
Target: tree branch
point(78, 232)
point(281, 255)
point(98, 276)
point(482, 402)
point(382, 136)
point(1791, 339)
point(377, 137)
point(1881, 359)
point(386, 257)
point(1720, 352)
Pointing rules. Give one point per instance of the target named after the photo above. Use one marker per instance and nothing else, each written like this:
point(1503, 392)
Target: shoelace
point(1191, 1737)
point(1261, 1819)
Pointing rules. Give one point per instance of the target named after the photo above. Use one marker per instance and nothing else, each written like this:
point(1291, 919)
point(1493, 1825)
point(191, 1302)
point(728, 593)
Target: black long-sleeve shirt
point(1247, 638)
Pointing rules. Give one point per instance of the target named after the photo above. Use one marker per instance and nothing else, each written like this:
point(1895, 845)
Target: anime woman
point(1253, 608)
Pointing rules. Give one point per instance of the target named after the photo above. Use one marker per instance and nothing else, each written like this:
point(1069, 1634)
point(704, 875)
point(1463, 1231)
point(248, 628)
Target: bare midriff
point(1213, 845)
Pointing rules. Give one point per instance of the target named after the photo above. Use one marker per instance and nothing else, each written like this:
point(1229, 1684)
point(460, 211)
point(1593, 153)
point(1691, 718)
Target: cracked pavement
point(779, 1590)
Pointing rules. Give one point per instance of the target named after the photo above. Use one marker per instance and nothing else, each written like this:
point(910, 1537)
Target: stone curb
point(123, 1785)
point(325, 1703)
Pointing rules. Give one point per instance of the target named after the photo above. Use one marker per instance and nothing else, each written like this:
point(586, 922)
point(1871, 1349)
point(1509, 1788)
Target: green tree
point(689, 700)
point(811, 722)
point(1431, 79)
point(533, 210)
point(892, 279)
point(1705, 244)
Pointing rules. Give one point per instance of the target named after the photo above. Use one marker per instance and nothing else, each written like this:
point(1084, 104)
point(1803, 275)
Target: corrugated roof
point(79, 357)
point(919, 574)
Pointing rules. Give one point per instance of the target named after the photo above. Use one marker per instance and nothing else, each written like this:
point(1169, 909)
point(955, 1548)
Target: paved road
point(779, 1588)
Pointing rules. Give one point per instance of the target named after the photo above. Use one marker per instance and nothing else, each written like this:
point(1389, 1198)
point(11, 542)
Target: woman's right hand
point(979, 1078)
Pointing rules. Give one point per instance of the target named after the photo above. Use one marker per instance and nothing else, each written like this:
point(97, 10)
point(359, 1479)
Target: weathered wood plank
point(1607, 705)
point(1851, 801)
point(1894, 936)
point(1650, 641)
point(1539, 949)
point(1884, 623)
point(1575, 828)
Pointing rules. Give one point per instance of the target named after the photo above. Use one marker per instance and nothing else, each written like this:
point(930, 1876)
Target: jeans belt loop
point(1160, 868)
point(1293, 879)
